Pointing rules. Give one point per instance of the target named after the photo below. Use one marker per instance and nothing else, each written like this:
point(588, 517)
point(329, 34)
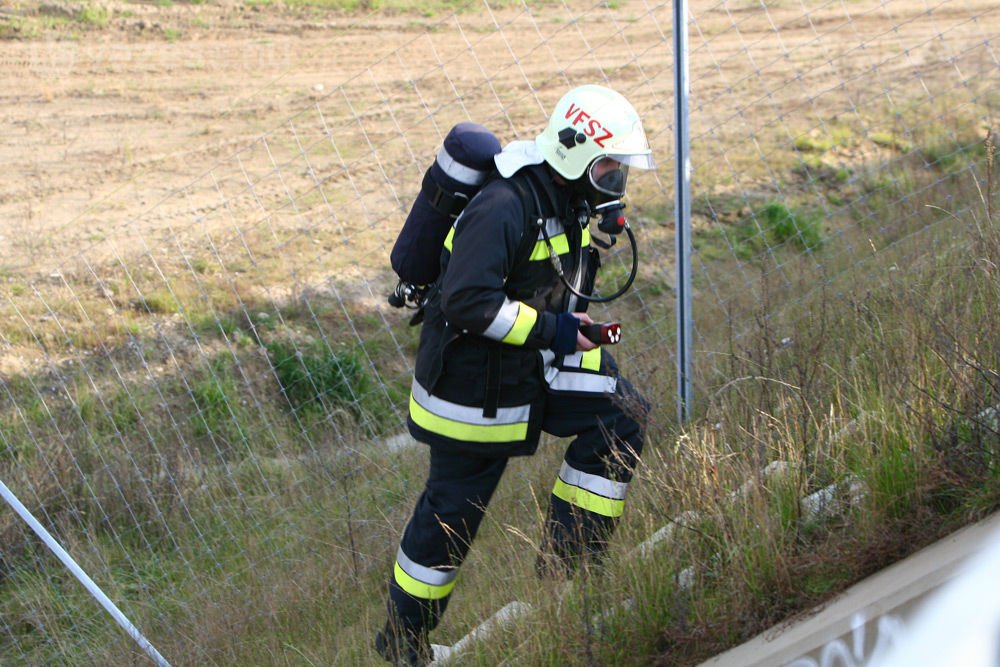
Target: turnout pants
point(587, 499)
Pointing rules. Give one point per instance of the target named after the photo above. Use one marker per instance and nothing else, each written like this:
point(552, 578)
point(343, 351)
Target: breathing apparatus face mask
point(606, 179)
point(598, 192)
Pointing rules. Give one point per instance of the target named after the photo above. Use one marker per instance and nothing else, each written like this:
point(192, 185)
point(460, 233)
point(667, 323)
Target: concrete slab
point(867, 618)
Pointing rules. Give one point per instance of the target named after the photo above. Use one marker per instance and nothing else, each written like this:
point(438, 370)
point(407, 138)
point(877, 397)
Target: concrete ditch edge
point(862, 623)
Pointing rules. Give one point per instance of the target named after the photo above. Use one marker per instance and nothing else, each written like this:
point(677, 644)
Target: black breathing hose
point(557, 265)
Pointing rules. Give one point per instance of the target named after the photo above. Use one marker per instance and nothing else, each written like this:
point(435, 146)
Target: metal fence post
point(82, 576)
point(682, 210)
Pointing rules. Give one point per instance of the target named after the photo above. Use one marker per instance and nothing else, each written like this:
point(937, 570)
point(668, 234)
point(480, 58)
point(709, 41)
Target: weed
point(773, 226)
point(18, 27)
point(884, 192)
point(806, 143)
point(108, 415)
point(948, 155)
point(889, 140)
point(892, 473)
point(219, 414)
point(158, 302)
point(94, 15)
point(15, 445)
point(785, 225)
point(317, 381)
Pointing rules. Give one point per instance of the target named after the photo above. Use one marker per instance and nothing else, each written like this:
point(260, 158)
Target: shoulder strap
point(534, 217)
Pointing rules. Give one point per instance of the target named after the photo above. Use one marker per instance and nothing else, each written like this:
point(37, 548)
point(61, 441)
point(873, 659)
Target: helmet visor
point(608, 177)
point(639, 161)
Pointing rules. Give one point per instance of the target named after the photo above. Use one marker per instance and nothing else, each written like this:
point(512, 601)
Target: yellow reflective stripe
point(523, 323)
point(591, 502)
point(539, 252)
point(457, 430)
point(419, 589)
point(591, 360)
point(448, 240)
point(468, 414)
point(559, 244)
point(504, 321)
point(541, 249)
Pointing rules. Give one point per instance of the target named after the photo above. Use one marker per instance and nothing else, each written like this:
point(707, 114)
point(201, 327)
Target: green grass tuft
point(785, 225)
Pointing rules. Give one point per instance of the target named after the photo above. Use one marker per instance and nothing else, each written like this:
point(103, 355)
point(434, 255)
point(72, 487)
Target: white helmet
point(592, 122)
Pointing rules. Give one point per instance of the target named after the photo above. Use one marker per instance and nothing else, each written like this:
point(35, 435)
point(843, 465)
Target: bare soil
point(106, 121)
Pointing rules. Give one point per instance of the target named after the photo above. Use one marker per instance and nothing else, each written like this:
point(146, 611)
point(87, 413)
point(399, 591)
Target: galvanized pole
point(682, 210)
point(82, 576)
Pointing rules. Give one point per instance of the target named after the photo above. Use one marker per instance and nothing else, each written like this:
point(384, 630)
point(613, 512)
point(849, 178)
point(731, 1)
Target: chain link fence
point(211, 394)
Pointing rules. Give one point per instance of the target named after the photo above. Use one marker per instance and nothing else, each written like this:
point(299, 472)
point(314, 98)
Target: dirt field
point(105, 125)
point(107, 116)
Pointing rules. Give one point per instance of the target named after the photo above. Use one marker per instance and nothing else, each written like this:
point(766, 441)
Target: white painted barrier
point(873, 619)
point(510, 611)
point(960, 623)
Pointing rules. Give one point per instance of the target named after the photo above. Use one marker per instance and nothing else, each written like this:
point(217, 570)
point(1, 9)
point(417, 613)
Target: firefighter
point(501, 359)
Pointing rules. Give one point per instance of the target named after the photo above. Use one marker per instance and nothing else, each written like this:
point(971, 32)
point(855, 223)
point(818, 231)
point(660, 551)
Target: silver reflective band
point(553, 227)
point(602, 486)
point(504, 321)
point(550, 371)
point(459, 171)
point(465, 414)
point(428, 575)
point(583, 382)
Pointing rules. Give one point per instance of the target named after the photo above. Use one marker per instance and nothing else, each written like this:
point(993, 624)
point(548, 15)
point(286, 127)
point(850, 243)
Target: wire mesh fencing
point(210, 394)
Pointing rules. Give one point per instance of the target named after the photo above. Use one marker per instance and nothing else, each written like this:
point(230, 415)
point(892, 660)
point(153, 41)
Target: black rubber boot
point(574, 540)
point(403, 648)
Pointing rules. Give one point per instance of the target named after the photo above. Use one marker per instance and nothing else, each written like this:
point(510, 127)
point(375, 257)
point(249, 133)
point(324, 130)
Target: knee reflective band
point(590, 492)
point(590, 383)
point(465, 423)
point(588, 380)
point(422, 582)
